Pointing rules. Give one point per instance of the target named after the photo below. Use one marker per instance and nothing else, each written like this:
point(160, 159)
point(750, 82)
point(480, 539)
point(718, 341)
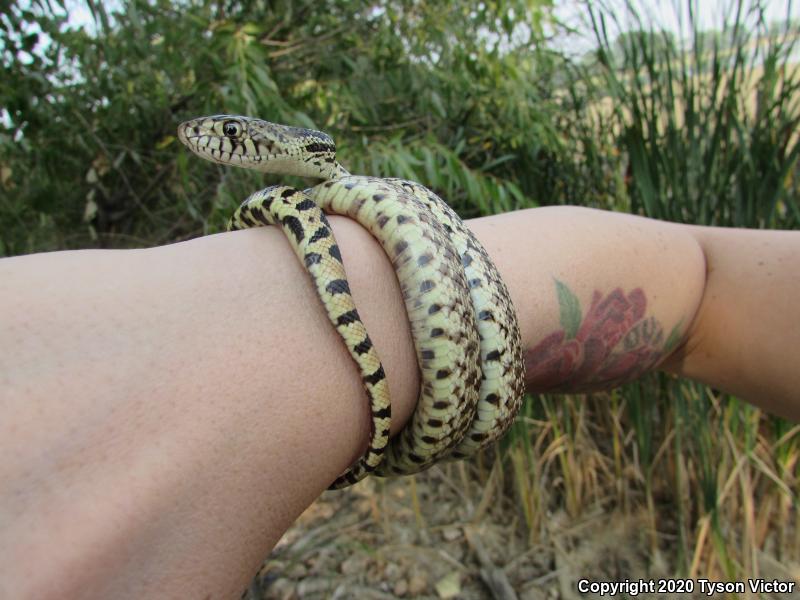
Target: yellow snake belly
point(452, 291)
point(501, 360)
point(442, 320)
point(311, 237)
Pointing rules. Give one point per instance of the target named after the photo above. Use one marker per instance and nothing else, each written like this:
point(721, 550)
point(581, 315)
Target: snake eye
point(231, 128)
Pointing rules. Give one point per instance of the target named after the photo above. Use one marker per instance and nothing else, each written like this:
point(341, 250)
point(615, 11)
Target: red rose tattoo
point(615, 342)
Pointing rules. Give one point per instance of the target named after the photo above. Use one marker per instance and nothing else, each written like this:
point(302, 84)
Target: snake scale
point(463, 323)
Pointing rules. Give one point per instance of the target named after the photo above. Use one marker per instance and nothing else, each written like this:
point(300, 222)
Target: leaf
point(569, 308)
point(438, 105)
point(673, 339)
point(90, 210)
point(165, 141)
point(449, 586)
point(5, 176)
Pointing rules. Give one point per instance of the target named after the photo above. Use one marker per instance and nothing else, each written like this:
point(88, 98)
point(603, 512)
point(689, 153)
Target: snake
point(463, 323)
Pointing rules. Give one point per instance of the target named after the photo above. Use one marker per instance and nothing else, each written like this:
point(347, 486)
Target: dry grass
point(578, 491)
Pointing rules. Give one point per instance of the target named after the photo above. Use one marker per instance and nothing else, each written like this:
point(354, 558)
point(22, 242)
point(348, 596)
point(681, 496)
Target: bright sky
point(673, 14)
point(670, 14)
point(709, 12)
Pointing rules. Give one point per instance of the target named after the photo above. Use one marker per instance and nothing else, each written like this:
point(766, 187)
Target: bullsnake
point(463, 323)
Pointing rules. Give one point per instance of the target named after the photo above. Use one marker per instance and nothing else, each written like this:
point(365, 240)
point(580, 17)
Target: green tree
point(435, 91)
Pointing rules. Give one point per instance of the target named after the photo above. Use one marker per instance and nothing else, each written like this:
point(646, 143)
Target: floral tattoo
point(613, 343)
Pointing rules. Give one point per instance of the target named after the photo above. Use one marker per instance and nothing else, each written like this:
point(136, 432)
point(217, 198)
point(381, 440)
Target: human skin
point(166, 414)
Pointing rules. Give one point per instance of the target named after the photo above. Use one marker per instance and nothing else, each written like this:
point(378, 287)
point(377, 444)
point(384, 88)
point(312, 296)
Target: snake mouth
point(182, 133)
point(262, 146)
point(219, 149)
point(190, 132)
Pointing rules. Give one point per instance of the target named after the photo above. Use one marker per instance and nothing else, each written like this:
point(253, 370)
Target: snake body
point(463, 324)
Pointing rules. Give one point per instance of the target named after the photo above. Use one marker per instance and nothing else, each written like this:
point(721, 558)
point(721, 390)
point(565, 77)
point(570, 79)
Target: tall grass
point(707, 123)
point(695, 129)
point(716, 480)
point(703, 130)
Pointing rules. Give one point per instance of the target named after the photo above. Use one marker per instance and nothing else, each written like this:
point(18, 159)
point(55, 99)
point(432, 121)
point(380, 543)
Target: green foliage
point(88, 146)
point(707, 124)
point(462, 96)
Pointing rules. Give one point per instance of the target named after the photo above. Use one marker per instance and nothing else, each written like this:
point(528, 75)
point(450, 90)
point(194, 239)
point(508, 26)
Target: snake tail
point(310, 235)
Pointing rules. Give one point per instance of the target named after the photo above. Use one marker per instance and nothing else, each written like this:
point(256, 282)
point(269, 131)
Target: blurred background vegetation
point(496, 105)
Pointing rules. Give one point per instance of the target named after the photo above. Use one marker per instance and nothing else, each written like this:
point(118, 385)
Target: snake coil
point(463, 323)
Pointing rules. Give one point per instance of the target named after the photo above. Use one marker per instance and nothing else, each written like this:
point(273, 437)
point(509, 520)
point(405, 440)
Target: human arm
point(165, 414)
point(745, 338)
point(721, 305)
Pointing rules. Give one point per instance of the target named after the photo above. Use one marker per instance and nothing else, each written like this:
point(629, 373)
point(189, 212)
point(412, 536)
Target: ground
point(442, 535)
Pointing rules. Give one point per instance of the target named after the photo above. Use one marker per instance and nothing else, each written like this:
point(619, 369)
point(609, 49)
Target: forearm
point(602, 297)
point(167, 413)
point(718, 305)
point(746, 337)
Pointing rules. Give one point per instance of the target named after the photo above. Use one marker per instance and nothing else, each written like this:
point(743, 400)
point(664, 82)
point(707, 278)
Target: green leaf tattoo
point(570, 309)
point(614, 342)
point(673, 339)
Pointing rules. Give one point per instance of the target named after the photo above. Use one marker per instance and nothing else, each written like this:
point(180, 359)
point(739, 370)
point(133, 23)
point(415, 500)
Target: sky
point(666, 13)
point(709, 12)
point(673, 14)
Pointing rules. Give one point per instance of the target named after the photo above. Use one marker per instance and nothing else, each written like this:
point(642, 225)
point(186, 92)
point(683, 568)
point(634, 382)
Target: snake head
point(261, 145)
